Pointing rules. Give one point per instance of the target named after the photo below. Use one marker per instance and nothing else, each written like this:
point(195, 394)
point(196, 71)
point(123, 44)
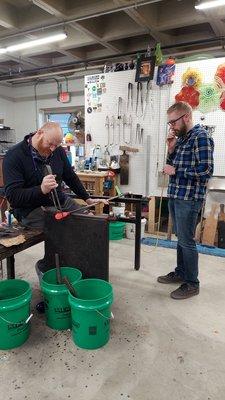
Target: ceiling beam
point(55, 7)
point(23, 60)
point(88, 31)
point(214, 20)
point(8, 15)
point(69, 54)
point(142, 21)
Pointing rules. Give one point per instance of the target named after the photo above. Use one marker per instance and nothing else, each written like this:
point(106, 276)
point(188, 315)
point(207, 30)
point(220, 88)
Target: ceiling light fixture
point(210, 4)
point(37, 42)
point(34, 43)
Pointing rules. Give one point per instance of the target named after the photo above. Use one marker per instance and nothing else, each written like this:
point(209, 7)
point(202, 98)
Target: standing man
point(189, 166)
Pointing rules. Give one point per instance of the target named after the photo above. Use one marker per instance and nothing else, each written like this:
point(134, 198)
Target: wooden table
point(94, 184)
point(33, 236)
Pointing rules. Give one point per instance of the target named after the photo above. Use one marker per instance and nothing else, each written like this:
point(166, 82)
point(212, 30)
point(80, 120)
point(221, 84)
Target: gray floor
point(160, 349)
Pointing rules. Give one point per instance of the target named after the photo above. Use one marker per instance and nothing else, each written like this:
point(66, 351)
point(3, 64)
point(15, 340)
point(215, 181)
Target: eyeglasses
point(173, 121)
point(50, 144)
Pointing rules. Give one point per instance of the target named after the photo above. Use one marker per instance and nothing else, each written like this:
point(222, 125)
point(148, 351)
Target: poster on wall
point(95, 87)
point(145, 69)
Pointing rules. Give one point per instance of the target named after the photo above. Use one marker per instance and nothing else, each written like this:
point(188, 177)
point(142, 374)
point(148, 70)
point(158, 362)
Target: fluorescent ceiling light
point(210, 4)
point(37, 42)
point(34, 43)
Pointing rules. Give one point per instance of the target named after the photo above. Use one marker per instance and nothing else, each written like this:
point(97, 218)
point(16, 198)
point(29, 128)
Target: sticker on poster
point(89, 110)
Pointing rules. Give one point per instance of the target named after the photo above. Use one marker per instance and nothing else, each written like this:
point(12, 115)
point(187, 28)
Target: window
point(62, 119)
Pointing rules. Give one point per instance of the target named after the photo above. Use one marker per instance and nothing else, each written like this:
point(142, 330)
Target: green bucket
point(15, 298)
point(91, 313)
point(57, 308)
point(116, 230)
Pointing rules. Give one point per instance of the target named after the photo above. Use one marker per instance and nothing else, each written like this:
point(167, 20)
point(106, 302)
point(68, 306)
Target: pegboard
point(153, 121)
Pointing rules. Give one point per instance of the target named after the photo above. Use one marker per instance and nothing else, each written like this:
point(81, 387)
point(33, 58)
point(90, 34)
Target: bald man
point(27, 184)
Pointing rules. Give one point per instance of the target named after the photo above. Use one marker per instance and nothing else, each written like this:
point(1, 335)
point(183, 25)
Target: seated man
point(28, 186)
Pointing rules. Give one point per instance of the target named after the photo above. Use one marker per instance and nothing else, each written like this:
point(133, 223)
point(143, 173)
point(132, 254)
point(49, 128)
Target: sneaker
point(170, 278)
point(184, 292)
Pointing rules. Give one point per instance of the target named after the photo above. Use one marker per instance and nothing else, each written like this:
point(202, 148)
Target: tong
point(107, 127)
point(54, 194)
point(139, 98)
point(130, 96)
point(139, 134)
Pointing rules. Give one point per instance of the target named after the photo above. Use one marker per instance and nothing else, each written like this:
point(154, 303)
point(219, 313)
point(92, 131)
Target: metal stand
point(138, 201)
point(10, 266)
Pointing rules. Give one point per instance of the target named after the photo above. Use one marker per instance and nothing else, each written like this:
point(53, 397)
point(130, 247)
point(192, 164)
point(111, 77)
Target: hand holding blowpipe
point(54, 194)
point(69, 286)
point(61, 215)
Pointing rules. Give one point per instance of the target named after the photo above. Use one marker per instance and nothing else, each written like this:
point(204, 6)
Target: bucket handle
point(10, 322)
point(111, 316)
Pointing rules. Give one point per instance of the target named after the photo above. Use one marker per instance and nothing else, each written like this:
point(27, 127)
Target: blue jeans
point(184, 214)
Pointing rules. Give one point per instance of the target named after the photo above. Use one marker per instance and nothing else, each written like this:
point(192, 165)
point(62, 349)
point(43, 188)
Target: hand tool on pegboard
point(124, 163)
point(139, 101)
point(130, 97)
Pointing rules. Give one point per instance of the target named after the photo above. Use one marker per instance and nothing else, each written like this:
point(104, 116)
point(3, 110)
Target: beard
point(42, 149)
point(181, 132)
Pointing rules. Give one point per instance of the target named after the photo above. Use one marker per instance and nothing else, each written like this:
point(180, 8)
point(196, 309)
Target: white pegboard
point(153, 123)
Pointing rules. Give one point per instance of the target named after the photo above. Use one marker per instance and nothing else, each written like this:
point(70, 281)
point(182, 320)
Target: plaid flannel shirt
point(193, 162)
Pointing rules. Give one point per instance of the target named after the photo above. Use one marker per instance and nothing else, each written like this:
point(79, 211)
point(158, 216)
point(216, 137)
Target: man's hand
point(96, 201)
point(48, 184)
point(171, 141)
point(169, 170)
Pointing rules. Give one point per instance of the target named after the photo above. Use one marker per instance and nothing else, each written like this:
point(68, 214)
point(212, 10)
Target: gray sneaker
point(184, 292)
point(171, 277)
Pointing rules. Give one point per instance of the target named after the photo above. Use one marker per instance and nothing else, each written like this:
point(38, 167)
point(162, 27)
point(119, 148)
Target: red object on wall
point(190, 95)
point(222, 101)
point(64, 97)
point(220, 72)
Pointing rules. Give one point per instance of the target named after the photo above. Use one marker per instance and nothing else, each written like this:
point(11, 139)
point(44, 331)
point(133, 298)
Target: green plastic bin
point(116, 230)
point(15, 298)
point(91, 313)
point(57, 308)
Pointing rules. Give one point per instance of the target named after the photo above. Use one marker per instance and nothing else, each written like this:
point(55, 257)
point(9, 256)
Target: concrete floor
point(160, 349)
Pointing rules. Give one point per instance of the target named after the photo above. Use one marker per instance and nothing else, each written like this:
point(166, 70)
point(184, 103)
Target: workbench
point(32, 236)
point(53, 242)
